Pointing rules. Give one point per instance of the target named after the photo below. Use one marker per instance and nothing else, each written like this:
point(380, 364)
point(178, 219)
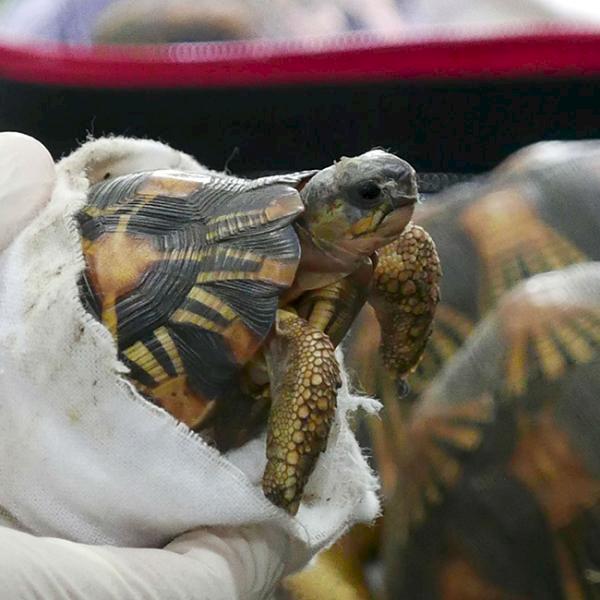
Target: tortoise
point(498, 489)
point(226, 297)
point(492, 467)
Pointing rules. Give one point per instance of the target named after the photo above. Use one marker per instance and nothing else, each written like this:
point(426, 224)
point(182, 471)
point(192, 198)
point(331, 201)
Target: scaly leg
point(404, 295)
point(304, 376)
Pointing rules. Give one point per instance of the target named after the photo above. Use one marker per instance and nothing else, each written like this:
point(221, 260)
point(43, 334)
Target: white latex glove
point(26, 180)
point(215, 564)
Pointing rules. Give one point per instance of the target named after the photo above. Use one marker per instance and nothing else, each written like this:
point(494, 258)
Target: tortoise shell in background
point(493, 471)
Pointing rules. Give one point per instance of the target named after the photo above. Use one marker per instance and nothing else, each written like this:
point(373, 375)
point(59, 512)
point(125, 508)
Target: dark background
point(439, 126)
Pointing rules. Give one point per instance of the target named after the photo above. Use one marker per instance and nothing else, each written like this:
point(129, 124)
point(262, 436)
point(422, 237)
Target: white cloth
point(82, 455)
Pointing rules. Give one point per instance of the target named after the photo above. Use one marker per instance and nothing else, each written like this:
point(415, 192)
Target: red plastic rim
point(543, 52)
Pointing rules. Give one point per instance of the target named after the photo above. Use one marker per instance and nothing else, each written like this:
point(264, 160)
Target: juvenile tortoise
point(226, 296)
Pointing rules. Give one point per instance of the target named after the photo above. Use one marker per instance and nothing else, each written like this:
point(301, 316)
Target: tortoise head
point(360, 204)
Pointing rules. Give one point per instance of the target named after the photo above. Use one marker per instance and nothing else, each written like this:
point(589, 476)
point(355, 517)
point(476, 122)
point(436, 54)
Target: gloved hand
point(212, 564)
point(206, 564)
point(27, 178)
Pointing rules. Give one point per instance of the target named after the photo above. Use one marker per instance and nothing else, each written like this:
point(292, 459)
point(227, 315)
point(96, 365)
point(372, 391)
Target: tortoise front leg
point(304, 377)
point(334, 307)
point(404, 296)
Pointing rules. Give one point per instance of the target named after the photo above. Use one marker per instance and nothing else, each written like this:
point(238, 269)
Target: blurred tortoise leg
point(404, 296)
point(304, 377)
point(338, 571)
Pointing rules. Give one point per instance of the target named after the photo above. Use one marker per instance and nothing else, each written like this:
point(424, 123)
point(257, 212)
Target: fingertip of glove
point(27, 177)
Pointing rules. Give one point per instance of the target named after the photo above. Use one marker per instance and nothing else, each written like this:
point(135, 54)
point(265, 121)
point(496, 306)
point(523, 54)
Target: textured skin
point(405, 295)
point(492, 475)
point(536, 212)
point(333, 308)
point(187, 272)
point(302, 361)
point(405, 291)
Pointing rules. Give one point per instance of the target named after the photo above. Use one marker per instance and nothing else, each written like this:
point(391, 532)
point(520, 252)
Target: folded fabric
point(82, 455)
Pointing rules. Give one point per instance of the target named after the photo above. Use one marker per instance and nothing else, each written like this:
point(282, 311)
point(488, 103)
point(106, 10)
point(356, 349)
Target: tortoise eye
point(369, 190)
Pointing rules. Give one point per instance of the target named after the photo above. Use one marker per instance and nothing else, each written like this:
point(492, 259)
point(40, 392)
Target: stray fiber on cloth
point(83, 456)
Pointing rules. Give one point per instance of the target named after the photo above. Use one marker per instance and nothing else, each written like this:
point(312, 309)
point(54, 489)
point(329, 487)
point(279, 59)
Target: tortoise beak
point(368, 224)
point(392, 225)
point(403, 191)
point(394, 222)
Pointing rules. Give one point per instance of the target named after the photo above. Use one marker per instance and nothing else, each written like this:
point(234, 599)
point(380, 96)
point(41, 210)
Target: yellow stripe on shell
point(123, 224)
point(187, 317)
point(516, 367)
point(168, 344)
point(94, 211)
point(271, 271)
point(446, 467)
point(552, 361)
point(465, 437)
point(250, 215)
point(189, 254)
point(139, 354)
point(227, 225)
point(213, 302)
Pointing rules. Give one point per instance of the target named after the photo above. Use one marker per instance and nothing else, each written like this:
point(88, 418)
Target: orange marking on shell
point(278, 272)
point(546, 461)
point(242, 341)
point(178, 399)
point(169, 186)
point(458, 579)
point(117, 261)
point(506, 228)
point(282, 207)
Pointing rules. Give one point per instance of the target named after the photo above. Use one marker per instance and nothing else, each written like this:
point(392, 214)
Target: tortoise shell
point(186, 271)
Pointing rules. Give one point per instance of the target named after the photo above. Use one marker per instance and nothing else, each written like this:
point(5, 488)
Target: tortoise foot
point(404, 295)
point(304, 376)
